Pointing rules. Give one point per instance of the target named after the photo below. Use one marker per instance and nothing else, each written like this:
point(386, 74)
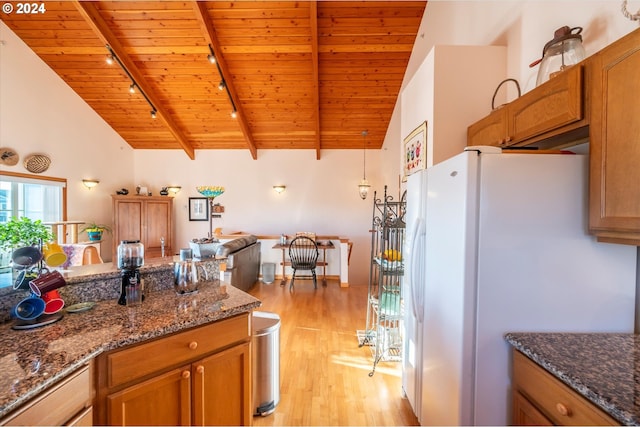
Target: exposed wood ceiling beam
point(313, 24)
point(209, 31)
point(102, 30)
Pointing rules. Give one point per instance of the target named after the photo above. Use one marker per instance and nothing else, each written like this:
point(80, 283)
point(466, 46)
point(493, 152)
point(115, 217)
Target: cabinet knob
point(563, 410)
point(193, 345)
point(186, 374)
point(200, 369)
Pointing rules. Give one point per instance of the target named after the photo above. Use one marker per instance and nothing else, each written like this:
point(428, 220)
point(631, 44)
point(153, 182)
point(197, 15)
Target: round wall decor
point(37, 163)
point(8, 156)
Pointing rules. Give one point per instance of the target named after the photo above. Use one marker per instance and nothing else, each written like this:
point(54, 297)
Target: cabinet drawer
point(57, 405)
point(554, 399)
point(144, 359)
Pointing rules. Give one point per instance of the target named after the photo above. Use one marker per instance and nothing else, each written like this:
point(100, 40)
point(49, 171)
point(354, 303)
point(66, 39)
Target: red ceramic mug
point(53, 302)
point(47, 282)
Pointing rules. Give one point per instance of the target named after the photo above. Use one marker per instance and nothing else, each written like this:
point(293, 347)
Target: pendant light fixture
point(363, 187)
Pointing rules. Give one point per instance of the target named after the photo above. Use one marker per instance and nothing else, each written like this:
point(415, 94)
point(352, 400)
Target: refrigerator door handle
point(415, 278)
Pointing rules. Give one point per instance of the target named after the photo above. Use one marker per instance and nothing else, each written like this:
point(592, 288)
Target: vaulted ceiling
point(299, 74)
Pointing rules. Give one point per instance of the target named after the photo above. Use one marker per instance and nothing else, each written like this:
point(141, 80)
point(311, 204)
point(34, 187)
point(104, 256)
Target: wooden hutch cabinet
point(145, 218)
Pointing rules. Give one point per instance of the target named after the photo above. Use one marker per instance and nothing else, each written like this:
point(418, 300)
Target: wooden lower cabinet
point(525, 414)
point(66, 403)
point(201, 376)
point(539, 398)
point(162, 400)
point(220, 384)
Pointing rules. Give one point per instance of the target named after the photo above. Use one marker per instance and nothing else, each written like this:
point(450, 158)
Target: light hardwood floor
point(323, 372)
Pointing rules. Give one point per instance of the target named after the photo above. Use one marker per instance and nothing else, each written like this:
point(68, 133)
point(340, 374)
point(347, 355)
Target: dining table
point(323, 245)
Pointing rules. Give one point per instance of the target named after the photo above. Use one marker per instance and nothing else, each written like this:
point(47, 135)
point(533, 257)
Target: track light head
point(211, 58)
point(153, 114)
point(234, 114)
point(222, 85)
point(110, 59)
point(132, 88)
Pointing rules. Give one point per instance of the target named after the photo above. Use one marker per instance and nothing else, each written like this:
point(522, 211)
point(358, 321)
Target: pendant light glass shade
point(363, 188)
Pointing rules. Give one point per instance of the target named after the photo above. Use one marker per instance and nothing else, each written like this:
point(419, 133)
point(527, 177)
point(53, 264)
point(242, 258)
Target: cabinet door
point(162, 400)
point(127, 222)
point(491, 130)
point(525, 414)
point(128, 219)
point(550, 107)
point(158, 225)
point(615, 142)
point(222, 388)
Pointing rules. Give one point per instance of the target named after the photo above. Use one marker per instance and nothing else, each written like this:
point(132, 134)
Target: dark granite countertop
point(32, 360)
point(602, 367)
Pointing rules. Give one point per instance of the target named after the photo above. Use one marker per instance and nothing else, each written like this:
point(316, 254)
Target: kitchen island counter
point(602, 367)
point(32, 360)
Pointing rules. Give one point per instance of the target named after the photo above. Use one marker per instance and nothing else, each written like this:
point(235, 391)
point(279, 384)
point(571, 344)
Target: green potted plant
point(94, 231)
point(23, 231)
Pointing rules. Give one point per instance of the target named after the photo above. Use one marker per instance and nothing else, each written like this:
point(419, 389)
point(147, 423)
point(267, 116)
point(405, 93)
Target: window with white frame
point(38, 198)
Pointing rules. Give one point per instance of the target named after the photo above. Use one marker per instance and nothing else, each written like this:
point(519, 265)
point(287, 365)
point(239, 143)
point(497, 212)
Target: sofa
point(243, 261)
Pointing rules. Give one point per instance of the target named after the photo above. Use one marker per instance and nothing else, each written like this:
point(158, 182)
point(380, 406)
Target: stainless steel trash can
point(268, 272)
point(266, 362)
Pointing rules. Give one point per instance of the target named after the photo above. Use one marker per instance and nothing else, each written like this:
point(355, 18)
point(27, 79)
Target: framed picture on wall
point(415, 148)
point(198, 209)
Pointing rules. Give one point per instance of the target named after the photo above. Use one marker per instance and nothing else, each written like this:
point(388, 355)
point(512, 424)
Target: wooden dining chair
point(303, 254)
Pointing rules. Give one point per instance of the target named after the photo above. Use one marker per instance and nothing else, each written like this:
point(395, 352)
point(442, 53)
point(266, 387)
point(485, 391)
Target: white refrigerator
point(499, 243)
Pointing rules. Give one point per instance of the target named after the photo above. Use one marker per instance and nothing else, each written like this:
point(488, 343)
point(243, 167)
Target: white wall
point(321, 195)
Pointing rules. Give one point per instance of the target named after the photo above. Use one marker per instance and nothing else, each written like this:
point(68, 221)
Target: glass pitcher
point(188, 275)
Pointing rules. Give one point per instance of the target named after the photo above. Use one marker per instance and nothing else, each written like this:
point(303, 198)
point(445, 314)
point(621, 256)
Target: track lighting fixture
point(223, 83)
point(111, 58)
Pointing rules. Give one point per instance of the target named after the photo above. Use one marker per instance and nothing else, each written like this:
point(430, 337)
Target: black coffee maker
point(130, 259)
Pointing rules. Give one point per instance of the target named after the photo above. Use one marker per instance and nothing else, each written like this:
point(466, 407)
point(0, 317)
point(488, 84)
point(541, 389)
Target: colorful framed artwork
point(415, 149)
point(198, 209)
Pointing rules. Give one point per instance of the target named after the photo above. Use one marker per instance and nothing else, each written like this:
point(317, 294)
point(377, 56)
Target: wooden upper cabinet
point(490, 130)
point(145, 218)
point(614, 214)
point(541, 117)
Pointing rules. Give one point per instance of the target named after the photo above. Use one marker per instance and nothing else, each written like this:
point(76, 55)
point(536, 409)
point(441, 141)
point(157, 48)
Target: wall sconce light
point(174, 189)
point(279, 188)
point(90, 183)
point(363, 187)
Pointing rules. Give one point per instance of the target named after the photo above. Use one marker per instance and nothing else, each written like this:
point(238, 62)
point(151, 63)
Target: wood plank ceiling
point(300, 74)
